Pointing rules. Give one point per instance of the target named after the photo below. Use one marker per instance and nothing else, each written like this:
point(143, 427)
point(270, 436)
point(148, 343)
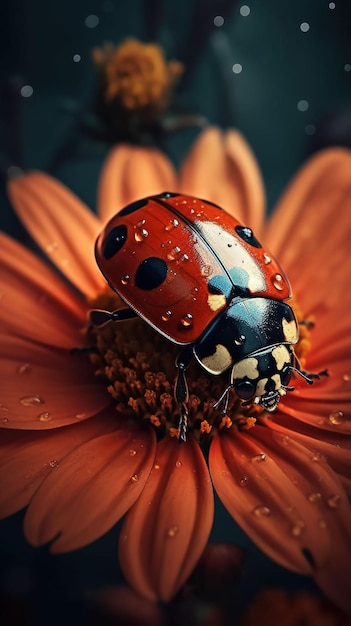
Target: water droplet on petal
point(261, 511)
point(54, 463)
point(333, 501)
point(172, 531)
point(134, 478)
point(278, 282)
point(23, 369)
point(5, 420)
point(80, 416)
point(336, 418)
point(186, 320)
point(31, 400)
point(178, 464)
point(132, 452)
point(243, 481)
point(259, 457)
point(346, 377)
point(156, 466)
point(315, 497)
point(297, 529)
point(45, 416)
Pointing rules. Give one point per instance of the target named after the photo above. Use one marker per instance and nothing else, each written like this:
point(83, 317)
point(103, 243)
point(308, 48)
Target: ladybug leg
point(99, 317)
point(307, 376)
point(181, 393)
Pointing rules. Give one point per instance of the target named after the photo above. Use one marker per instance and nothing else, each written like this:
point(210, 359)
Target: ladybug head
point(263, 377)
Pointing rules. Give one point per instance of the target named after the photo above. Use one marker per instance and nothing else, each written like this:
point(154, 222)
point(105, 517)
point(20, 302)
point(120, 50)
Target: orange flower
point(79, 464)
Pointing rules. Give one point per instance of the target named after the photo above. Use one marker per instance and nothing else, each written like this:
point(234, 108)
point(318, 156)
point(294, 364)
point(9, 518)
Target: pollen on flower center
point(137, 365)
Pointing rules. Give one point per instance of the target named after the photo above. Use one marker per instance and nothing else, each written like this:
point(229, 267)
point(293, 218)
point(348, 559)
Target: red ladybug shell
point(178, 261)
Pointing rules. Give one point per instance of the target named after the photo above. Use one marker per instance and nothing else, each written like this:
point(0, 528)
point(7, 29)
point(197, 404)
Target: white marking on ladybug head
point(216, 301)
point(290, 330)
point(281, 356)
point(219, 361)
point(246, 368)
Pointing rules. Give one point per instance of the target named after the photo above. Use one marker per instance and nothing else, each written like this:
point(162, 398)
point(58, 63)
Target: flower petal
point(93, 486)
point(26, 458)
point(310, 231)
point(130, 173)
point(221, 167)
point(44, 387)
point(267, 481)
point(61, 224)
point(335, 447)
point(166, 531)
point(35, 302)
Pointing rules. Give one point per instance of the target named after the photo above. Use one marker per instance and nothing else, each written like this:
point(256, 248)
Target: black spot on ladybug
point(151, 273)
point(247, 235)
point(114, 241)
point(167, 194)
point(134, 206)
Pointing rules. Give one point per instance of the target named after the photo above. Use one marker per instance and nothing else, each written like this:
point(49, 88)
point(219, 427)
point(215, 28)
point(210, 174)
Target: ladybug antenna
point(308, 376)
point(100, 317)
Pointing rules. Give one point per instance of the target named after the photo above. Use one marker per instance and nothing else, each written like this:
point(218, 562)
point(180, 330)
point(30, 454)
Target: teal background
point(281, 65)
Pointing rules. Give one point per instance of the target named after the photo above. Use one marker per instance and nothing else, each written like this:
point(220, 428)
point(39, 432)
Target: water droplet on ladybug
point(336, 418)
point(267, 259)
point(278, 282)
point(31, 400)
point(125, 280)
point(172, 224)
point(166, 316)
point(261, 511)
point(174, 253)
point(206, 270)
point(184, 257)
point(239, 341)
point(186, 320)
point(140, 234)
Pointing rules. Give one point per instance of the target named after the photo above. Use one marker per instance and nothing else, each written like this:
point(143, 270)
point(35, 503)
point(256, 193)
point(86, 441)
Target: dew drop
point(297, 529)
point(178, 464)
point(132, 452)
point(186, 320)
point(134, 478)
point(31, 400)
point(45, 416)
point(267, 259)
point(3, 407)
point(184, 257)
point(54, 463)
point(239, 341)
point(80, 416)
point(333, 501)
point(140, 234)
point(172, 531)
point(259, 457)
point(336, 418)
point(315, 497)
point(172, 224)
point(174, 254)
point(316, 457)
point(346, 377)
point(125, 279)
point(166, 316)
point(243, 481)
point(156, 466)
point(5, 420)
point(206, 270)
point(23, 369)
point(261, 511)
point(278, 282)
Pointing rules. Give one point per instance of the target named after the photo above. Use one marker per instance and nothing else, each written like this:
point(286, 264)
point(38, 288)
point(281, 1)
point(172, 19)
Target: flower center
point(137, 364)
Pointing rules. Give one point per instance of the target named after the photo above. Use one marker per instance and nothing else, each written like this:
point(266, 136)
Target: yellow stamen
point(226, 422)
point(205, 427)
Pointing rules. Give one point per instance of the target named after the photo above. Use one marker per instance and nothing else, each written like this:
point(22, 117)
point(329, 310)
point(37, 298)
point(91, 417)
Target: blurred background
point(280, 72)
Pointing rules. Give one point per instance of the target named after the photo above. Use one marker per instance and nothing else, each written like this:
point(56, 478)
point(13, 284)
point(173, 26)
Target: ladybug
point(203, 280)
